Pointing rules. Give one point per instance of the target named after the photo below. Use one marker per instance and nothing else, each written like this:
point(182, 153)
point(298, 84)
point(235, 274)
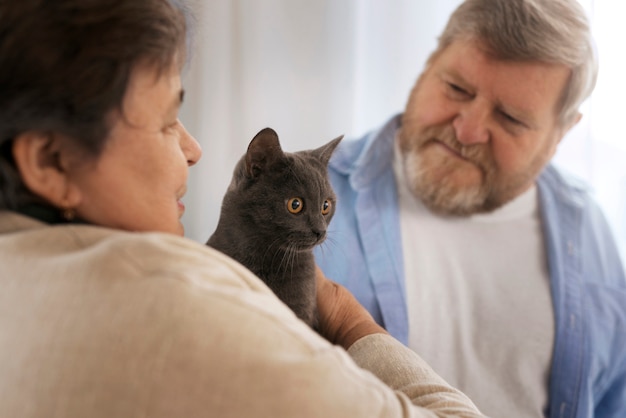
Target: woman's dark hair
point(65, 66)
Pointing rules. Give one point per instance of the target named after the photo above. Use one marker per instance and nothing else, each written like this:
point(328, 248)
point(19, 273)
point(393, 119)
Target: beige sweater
point(101, 323)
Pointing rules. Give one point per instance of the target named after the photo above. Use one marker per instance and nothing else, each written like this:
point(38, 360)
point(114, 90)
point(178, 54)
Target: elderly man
point(459, 236)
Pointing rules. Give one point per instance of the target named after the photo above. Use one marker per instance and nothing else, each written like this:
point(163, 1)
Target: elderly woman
point(105, 309)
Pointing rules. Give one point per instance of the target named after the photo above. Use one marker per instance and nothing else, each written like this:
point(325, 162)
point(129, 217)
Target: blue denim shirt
point(588, 373)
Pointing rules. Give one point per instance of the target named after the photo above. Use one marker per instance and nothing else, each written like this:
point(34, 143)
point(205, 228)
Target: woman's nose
point(191, 148)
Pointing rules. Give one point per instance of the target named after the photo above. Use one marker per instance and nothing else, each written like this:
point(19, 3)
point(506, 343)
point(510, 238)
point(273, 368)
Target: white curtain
point(313, 70)
point(595, 150)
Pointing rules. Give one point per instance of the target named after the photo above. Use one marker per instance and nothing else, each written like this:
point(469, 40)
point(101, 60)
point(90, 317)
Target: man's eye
point(511, 119)
point(457, 91)
point(512, 124)
point(456, 88)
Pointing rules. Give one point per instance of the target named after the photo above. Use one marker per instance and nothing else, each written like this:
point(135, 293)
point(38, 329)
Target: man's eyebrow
point(452, 73)
point(455, 77)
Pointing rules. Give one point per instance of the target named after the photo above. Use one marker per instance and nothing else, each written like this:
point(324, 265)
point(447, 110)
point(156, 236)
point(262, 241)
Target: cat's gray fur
point(257, 228)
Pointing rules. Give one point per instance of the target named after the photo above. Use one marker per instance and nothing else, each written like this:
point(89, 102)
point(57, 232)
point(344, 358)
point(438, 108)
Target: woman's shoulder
point(170, 279)
point(167, 312)
point(103, 256)
point(164, 256)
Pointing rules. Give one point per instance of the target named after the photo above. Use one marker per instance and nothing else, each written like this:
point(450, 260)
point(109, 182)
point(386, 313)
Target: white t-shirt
point(479, 304)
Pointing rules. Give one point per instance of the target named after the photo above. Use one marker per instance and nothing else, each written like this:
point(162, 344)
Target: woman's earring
point(69, 214)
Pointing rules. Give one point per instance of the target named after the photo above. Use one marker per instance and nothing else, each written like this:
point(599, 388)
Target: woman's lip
point(179, 201)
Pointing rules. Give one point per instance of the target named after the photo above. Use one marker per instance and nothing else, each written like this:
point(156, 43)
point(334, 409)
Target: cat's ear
point(264, 150)
point(325, 151)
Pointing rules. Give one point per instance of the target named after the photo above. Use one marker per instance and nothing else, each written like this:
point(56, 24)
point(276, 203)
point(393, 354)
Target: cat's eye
point(326, 207)
point(295, 205)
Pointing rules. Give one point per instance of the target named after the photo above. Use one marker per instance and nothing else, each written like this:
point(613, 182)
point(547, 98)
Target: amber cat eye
point(326, 207)
point(295, 205)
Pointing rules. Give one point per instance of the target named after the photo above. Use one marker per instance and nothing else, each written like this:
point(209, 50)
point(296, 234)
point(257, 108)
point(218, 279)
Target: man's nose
point(471, 124)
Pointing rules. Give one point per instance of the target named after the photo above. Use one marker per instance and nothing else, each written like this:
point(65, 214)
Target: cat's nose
point(319, 234)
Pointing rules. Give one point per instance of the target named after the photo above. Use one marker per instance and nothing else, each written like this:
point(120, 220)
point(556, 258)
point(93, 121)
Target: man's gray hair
point(551, 31)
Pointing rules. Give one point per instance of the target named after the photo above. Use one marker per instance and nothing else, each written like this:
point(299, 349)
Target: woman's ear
point(43, 161)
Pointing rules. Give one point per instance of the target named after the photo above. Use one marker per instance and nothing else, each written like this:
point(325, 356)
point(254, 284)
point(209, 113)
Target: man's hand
point(342, 319)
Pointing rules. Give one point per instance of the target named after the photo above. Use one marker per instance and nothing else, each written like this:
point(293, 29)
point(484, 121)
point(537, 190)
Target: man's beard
point(450, 186)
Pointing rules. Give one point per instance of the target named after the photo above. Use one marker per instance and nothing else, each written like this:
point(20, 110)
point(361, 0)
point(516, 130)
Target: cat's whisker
point(325, 244)
point(285, 256)
point(293, 261)
point(286, 261)
point(270, 250)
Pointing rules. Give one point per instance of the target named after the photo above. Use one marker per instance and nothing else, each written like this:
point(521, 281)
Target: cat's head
point(287, 196)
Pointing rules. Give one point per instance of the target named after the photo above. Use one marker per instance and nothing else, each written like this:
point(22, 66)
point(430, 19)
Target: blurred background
point(314, 70)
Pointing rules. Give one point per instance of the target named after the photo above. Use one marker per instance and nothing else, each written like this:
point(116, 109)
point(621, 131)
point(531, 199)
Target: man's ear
point(43, 161)
point(570, 125)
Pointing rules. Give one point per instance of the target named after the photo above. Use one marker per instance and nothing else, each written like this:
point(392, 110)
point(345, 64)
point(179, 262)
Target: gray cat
point(276, 209)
